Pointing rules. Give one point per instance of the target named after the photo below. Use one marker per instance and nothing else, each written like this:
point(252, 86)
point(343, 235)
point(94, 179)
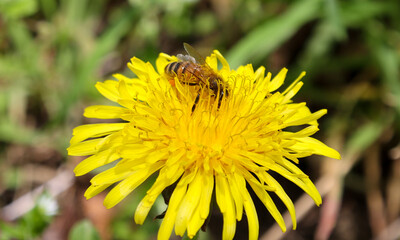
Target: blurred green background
point(53, 52)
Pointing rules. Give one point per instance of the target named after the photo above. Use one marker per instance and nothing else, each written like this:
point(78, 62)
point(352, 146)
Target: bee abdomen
point(172, 67)
point(177, 69)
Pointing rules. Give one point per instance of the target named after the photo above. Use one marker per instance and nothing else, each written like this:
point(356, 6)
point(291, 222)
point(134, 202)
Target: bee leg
point(190, 83)
point(195, 102)
point(221, 95)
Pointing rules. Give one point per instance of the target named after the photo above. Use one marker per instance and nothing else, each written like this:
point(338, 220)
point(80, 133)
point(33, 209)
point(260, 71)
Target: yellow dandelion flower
point(210, 149)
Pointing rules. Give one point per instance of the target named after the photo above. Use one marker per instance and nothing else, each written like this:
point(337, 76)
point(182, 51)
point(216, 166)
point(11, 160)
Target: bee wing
point(206, 70)
point(192, 52)
point(197, 56)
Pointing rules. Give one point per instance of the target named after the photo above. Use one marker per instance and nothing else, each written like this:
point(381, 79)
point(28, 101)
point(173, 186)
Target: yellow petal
point(125, 187)
point(108, 89)
point(163, 60)
point(189, 203)
point(261, 84)
point(225, 64)
point(307, 119)
point(95, 161)
point(111, 176)
point(237, 196)
point(278, 80)
point(308, 131)
point(212, 62)
point(265, 198)
point(105, 112)
point(297, 111)
point(93, 190)
point(84, 132)
point(167, 224)
point(203, 210)
point(123, 91)
point(294, 174)
point(88, 147)
point(208, 188)
point(195, 223)
point(130, 81)
point(282, 195)
point(147, 202)
point(314, 146)
point(225, 204)
point(294, 83)
point(252, 217)
point(139, 67)
point(135, 150)
point(292, 92)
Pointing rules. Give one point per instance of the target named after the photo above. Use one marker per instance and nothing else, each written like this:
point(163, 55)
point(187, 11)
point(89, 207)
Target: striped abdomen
point(186, 72)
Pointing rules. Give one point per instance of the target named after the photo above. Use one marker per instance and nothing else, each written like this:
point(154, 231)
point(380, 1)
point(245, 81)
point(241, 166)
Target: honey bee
point(193, 70)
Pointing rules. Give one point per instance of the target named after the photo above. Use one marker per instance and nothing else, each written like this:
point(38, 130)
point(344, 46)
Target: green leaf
point(17, 8)
point(13, 132)
point(264, 39)
point(75, 12)
point(318, 46)
point(328, 31)
point(334, 18)
point(26, 49)
point(366, 135)
point(355, 13)
point(84, 230)
point(9, 231)
point(48, 7)
point(388, 60)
